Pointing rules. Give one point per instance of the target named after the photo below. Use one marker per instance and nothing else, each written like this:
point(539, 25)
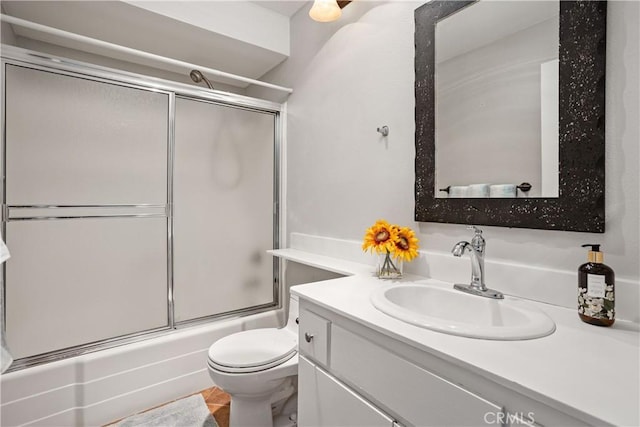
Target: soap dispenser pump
point(596, 290)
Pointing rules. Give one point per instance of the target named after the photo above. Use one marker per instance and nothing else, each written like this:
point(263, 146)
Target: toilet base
point(273, 409)
point(250, 412)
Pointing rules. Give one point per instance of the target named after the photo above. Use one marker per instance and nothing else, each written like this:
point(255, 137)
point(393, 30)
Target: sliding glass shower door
point(130, 209)
point(86, 222)
point(223, 204)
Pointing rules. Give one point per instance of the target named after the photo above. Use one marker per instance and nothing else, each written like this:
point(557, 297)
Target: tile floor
point(218, 402)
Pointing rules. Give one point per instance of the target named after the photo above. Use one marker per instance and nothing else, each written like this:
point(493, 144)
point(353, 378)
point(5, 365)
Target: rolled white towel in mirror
point(457, 191)
point(478, 190)
point(507, 191)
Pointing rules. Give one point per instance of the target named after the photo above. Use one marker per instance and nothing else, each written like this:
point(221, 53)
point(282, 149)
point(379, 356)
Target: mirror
point(503, 79)
point(525, 78)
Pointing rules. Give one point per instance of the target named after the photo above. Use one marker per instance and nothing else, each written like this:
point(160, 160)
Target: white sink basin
point(454, 312)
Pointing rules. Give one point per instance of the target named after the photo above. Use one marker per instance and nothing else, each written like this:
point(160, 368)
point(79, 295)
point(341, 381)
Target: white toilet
point(259, 369)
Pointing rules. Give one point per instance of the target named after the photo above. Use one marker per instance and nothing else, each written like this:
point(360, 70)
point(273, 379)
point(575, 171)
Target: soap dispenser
point(596, 290)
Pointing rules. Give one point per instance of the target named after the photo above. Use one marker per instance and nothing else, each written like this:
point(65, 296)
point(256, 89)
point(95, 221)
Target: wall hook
point(384, 130)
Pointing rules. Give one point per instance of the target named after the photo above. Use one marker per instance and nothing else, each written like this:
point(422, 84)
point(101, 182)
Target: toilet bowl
point(258, 369)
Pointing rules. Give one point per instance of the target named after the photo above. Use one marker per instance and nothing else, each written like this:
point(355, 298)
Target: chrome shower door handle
point(308, 337)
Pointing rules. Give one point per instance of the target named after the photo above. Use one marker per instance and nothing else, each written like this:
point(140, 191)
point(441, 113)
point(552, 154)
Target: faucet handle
point(474, 228)
point(478, 242)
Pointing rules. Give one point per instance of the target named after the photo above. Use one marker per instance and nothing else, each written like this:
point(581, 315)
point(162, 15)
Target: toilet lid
point(254, 348)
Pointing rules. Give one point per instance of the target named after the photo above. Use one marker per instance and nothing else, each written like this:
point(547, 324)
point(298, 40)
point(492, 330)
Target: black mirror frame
point(581, 202)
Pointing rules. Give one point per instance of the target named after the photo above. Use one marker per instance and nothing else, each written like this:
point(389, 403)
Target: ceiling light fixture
point(325, 10)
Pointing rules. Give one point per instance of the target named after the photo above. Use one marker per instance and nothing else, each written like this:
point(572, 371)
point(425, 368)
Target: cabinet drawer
point(324, 401)
point(425, 399)
point(313, 336)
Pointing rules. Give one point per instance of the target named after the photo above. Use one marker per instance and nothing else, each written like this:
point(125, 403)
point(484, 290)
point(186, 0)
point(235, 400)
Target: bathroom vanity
point(359, 366)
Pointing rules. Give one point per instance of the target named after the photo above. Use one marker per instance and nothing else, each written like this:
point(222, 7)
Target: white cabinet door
point(419, 396)
point(323, 401)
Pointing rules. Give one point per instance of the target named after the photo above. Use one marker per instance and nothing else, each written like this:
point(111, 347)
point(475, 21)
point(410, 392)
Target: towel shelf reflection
point(524, 187)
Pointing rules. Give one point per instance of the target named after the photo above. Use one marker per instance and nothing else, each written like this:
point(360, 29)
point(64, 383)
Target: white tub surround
point(97, 388)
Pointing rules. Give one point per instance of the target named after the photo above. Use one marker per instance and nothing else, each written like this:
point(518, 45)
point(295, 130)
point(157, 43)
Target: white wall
point(357, 74)
point(269, 30)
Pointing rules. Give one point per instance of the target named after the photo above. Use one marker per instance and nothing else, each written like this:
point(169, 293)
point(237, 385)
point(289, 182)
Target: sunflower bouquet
point(395, 243)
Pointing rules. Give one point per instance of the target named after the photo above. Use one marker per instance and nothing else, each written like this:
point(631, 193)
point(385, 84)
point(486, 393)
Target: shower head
point(198, 77)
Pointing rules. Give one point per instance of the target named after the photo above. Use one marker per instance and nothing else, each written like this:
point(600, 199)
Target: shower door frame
point(12, 55)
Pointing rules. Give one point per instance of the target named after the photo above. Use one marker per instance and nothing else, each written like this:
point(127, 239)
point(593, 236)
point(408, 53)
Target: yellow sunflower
point(380, 237)
point(405, 244)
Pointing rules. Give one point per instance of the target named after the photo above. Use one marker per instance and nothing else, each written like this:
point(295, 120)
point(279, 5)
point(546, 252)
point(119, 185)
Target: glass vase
point(388, 267)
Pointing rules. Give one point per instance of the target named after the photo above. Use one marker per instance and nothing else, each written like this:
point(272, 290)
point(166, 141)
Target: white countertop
point(585, 369)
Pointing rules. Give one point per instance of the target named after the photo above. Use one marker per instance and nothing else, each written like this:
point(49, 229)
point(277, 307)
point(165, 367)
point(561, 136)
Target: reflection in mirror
point(497, 94)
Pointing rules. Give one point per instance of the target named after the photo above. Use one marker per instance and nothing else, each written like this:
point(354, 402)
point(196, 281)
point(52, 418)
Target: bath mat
point(191, 411)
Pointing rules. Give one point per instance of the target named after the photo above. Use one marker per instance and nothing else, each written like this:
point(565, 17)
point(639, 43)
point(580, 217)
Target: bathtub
point(101, 387)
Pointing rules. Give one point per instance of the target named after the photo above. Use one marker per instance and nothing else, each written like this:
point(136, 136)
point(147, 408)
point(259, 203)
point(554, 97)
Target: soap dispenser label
point(595, 286)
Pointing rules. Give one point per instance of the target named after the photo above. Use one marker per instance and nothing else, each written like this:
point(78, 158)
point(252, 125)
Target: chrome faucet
point(476, 250)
